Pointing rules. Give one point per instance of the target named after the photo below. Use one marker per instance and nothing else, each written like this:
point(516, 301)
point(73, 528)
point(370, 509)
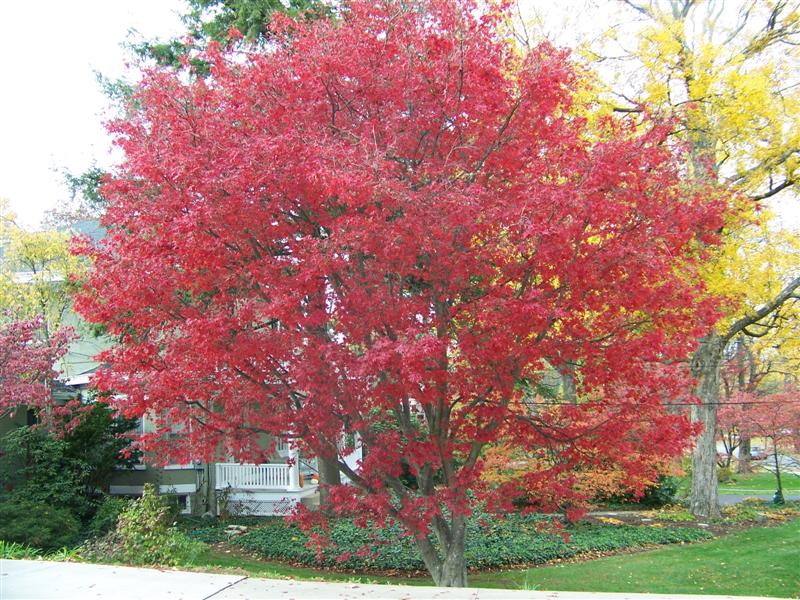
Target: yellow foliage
point(610, 521)
point(35, 268)
point(734, 88)
point(751, 266)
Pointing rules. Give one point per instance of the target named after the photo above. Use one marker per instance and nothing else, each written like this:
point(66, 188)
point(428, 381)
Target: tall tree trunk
point(743, 355)
point(454, 568)
point(703, 502)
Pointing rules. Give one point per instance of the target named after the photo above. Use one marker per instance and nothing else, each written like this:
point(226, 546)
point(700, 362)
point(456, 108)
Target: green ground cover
point(763, 561)
point(491, 543)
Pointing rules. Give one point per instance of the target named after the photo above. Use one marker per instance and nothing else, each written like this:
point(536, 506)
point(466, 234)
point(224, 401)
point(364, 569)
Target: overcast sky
point(51, 107)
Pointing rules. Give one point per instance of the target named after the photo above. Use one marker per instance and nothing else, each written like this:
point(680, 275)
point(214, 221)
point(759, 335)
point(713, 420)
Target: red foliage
point(775, 417)
point(383, 226)
point(26, 364)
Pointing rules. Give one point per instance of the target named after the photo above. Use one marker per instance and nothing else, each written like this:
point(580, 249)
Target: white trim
point(126, 490)
point(264, 503)
point(81, 379)
point(178, 467)
point(134, 467)
point(132, 490)
point(178, 488)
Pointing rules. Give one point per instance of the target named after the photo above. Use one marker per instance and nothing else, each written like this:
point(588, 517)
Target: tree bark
point(454, 569)
point(778, 499)
point(744, 455)
point(744, 384)
point(568, 386)
point(703, 502)
point(450, 571)
point(328, 475)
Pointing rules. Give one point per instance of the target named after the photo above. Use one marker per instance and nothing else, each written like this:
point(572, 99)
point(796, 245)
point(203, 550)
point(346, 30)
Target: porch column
point(294, 469)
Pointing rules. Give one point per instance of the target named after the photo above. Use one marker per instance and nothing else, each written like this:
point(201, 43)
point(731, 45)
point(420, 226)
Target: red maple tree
point(392, 225)
point(26, 364)
point(774, 418)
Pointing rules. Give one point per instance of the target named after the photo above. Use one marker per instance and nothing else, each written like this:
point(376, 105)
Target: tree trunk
point(568, 387)
point(778, 498)
point(328, 475)
point(452, 570)
point(744, 384)
point(744, 455)
point(703, 502)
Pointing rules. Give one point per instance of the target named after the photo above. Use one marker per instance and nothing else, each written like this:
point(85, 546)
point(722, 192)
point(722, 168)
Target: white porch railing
point(250, 476)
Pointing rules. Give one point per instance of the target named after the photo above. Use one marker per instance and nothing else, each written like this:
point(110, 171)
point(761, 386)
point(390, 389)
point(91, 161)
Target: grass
point(759, 561)
point(760, 482)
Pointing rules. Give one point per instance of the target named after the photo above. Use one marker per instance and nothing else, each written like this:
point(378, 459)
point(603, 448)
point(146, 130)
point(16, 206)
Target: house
point(224, 487)
point(265, 489)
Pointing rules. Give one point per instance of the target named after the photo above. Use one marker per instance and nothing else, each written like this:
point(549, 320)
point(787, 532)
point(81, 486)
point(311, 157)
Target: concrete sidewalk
point(41, 580)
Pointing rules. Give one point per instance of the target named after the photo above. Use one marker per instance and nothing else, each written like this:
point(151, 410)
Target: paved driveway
point(40, 580)
point(725, 499)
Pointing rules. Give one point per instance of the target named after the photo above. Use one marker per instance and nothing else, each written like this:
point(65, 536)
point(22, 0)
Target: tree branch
point(754, 317)
point(773, 190)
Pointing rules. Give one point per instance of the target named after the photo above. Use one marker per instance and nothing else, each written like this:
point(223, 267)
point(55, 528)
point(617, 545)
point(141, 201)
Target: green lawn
point(761, 482)
point(763, 561)
point(758, 562)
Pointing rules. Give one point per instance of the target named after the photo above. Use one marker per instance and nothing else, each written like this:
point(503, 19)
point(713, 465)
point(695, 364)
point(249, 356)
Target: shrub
point(35, 466)
point(515, 540)
point(37, 524)
point(174, 506)
point(107, 513)
point(100, 443)
point(67, 470)
point(725, 475)
point(145, 535)
point(662, 493)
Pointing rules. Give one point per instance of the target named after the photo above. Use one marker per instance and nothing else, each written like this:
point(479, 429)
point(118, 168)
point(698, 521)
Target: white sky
point(51, 107)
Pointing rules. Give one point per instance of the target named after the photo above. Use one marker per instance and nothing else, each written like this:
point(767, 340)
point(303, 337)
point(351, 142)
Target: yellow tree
point(751, 275)
point(728, 74)
point(34, 273)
